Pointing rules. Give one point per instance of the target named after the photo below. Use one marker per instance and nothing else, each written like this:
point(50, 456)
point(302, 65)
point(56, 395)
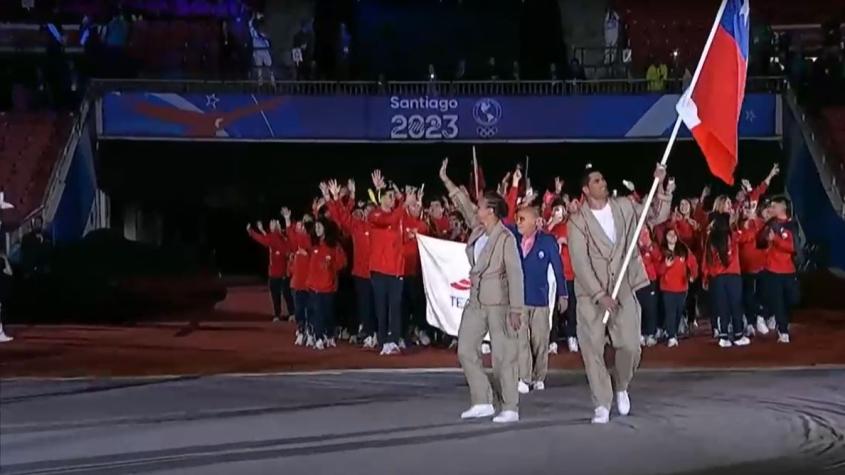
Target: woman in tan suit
point(495, 304)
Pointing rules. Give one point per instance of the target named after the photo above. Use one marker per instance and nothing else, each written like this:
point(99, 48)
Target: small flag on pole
point(711, 109)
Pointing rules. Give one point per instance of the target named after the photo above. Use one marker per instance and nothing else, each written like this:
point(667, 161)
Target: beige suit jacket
point(496, 276)
point(596, 261)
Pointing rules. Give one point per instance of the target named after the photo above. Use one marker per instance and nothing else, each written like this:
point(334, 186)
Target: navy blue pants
point(364, 302)
point(387, 297)
point(781, 293)
point(280, 289)
point(647, 296)
point(726, 295)
point(413, 303)
point(674, 304)
point(301, 305)
point(752, 297)
point(322, 314)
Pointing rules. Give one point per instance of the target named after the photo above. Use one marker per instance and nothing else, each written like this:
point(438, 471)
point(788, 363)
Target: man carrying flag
point(711, 108)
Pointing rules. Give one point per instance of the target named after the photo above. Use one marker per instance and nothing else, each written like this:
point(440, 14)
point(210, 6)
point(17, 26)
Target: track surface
point(743, 422)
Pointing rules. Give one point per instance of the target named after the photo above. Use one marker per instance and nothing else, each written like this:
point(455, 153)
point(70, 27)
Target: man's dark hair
point(496, 203)
point(585, 177)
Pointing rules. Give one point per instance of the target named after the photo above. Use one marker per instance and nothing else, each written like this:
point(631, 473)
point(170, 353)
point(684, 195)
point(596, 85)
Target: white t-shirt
point(605, 218)
point(479, 246)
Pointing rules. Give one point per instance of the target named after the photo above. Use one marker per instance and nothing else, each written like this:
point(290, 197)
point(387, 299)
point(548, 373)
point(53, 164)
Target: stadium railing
point(774, 84)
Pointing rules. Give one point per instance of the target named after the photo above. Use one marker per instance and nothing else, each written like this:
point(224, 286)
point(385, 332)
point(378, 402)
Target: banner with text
point(445, 271)
point(238, 116)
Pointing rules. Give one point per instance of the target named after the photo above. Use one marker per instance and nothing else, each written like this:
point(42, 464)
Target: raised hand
point(260, 226)
point(249, 226)
point(775, 170)
point(746, 185)
point(334, 189)
point(350, 185)
point(517, 175)
point(660, 172)
point(628, 184)
point(443, 166)
point(286, 214)
point(558, 185)
point(705, 192)
point(324, 189)
point(378, 180)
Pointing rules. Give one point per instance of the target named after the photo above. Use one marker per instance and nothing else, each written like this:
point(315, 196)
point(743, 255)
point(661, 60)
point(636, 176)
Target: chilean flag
point(720, 89)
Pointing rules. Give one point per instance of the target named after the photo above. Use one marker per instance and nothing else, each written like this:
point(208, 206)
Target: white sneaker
point(673, 342)
point(320, 345)
point(344, 335)
point(477, 411)
point(552, 348)
point(573, 344)
point(330, 343)
point(424, 339)
point(368, 342)
point(650, 341)
point(744, 341)
point(642, 340)
point(310, 341)
point(750, 331)
point(522, 388)
point(623, 403)
point(485, 348)
point(539, 386)
point(353, 339)
point(300, 339)
point(4, 338)
point(454, 344)
point(716, 333)
point(772, 323)
point(660, 333)
point(390, 349)
point(506, 417)
point(291, 318)
point(725, 343)
point(601, 415)
point(762, 328)
point(275, 319)
point(783, 337)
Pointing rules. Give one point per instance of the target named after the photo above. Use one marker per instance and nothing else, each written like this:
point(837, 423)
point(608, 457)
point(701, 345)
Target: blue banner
point(404, 119)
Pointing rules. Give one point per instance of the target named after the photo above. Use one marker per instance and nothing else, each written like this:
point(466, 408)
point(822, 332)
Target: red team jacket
point(300, 244)
point(410, 250)
point(386, 237)
point(651, 259)
point(751, 258)
point(324, 264)
point(441, 227)
point(279, 250)
point(713, 267)
point(780, 250)
point(359, 231)
point(560, 231)
point(676, 276)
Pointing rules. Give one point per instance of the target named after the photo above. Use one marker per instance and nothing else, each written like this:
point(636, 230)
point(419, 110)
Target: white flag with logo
point(445, 272)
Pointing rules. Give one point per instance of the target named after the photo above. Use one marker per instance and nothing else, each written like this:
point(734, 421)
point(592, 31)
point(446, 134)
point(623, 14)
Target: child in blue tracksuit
point(538, 251)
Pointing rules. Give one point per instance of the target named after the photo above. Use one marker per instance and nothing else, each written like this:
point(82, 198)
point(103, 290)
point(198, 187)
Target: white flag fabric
point(445, 272)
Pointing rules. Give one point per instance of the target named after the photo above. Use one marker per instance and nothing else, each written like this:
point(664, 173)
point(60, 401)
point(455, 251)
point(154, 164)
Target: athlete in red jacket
point(356, 225)
point(647, 296)
point(558, 229)
point(779, 238)
point(326, 260)
point(677, 270)
point(387, 264)
point(721, 272)
point(752, 259)
point(413, 292)
point(277, 273)
point(300, 245)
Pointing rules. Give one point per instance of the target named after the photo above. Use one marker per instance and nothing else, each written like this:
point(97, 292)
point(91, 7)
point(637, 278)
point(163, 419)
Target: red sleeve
point(341, 216)
point(510, 200)
point(758, 192)
point(262, 239)
point(340, 258)
point(278, 242)
point(700, 215)
point(692, 265)
point(661, 267)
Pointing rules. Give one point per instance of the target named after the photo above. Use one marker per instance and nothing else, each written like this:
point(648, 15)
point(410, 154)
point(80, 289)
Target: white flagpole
point(475, 172)
point(647, 204)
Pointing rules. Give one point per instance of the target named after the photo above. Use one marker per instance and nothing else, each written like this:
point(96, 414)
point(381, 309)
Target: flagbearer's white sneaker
point(762, 328)
point(744, 341)
point(650, 341)
point(601, 415)
point(4, 338)
point(506, 417)
point(673, 342)
point(772, 323)
point(522, 387)
point(477, 411)
point(553, 348)
point(539, 386)
point(623, 403)
point(783, 337)
point(573, 344)
point(725, 343)
point(642, 340)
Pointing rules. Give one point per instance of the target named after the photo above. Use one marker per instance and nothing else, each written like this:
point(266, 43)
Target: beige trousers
point(624, 330)
point(476, 321)
point(534, 345)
